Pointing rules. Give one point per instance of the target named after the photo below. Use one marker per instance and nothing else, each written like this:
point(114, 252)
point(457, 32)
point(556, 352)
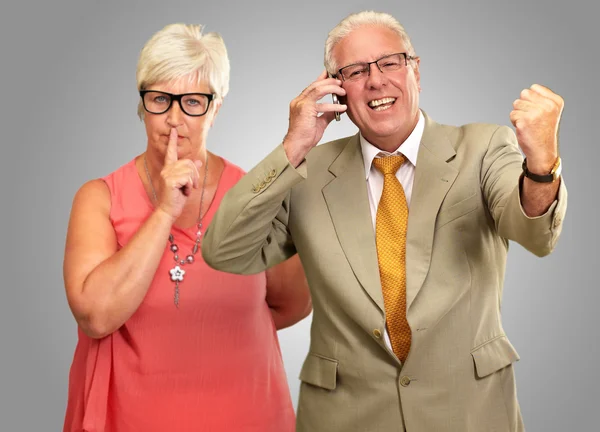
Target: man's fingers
point(542, 95)
point(324, 119)
point(331, 107)
point(545, 91)
point(330, 88)
point(319, 88)
point(514, 116)
point(171, 154)
point(318, 92)
point(532, 96)
point(524, 105)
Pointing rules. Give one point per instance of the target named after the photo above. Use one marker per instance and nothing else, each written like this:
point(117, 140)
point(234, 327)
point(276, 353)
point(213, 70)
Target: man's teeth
point(382, 108)
point(377, 103)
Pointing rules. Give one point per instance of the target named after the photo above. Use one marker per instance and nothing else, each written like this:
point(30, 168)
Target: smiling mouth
point(382, 104)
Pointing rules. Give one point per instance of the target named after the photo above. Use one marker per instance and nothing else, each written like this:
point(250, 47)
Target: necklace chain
point(177, 272)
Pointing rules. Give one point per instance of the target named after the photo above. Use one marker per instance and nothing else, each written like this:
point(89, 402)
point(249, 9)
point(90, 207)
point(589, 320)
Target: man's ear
point(417, 61)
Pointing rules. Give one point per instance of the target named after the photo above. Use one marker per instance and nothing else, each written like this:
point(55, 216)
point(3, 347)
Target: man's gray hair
point(352, 22)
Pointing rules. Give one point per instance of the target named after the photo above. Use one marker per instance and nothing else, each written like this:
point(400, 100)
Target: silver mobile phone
point(335, 101)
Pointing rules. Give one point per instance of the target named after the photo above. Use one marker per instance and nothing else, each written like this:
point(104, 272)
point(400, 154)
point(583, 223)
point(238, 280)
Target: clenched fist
point(536, 117)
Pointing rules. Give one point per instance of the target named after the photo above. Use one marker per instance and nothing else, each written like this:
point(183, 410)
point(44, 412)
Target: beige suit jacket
point(465, 208)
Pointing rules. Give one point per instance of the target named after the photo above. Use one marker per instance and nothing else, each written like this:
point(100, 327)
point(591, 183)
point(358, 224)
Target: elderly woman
point(165, 342)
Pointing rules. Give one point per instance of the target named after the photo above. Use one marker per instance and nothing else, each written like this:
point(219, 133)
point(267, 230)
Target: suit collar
point(408, 148)
point(436, 138)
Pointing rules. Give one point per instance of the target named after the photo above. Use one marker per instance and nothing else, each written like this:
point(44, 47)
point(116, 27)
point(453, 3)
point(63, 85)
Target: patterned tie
point(391, 224)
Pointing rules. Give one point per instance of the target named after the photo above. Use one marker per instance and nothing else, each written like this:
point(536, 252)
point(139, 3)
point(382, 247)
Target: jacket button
point(557, 221)
point(405, 381)
point(377, 333)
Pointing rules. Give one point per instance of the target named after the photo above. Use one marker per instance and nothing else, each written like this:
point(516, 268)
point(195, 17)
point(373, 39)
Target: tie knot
point(389, 164)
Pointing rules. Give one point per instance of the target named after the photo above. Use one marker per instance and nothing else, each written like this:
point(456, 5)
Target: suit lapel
point(433, 178)
point(348, 204)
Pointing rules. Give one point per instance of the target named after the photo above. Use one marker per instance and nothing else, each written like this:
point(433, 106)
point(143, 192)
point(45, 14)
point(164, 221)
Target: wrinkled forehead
point(366, 44)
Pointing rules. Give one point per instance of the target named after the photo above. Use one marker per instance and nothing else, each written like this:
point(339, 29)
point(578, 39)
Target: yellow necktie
point(391, 224)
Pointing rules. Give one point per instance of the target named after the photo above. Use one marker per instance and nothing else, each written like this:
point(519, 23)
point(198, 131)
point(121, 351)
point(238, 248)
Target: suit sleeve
point(501, 177)
point(249, 231)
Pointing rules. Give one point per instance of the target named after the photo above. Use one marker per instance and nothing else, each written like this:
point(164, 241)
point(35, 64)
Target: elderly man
point(403, 230)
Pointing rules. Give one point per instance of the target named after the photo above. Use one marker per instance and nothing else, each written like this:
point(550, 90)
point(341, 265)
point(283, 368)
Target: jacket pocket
point(494, 355)
point(454, 211)
point(319, 371)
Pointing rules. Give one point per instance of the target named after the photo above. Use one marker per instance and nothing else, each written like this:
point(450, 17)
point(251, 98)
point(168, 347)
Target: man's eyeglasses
point(389, 63)
point(192, 104)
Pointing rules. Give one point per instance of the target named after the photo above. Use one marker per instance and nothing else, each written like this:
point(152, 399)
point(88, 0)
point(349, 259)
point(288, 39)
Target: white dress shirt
point(406, 173)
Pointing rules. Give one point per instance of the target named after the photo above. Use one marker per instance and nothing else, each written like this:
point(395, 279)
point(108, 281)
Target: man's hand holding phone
point(308, 118)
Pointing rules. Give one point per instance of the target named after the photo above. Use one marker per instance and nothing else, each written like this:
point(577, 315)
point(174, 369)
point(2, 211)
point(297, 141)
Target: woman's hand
point(177, 179)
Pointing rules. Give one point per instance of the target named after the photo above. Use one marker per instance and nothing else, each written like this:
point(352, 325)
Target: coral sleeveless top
point(214, 364)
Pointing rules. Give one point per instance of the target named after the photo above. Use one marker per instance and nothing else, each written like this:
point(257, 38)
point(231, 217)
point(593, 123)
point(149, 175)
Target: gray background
point(69, 115)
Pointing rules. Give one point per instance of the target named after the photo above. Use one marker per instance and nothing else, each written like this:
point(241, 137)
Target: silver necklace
point(178, 272)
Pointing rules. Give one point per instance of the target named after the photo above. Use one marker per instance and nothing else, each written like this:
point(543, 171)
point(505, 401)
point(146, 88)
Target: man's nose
point(376, 78)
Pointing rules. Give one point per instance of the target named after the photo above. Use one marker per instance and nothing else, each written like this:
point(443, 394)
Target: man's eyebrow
point(377, 57)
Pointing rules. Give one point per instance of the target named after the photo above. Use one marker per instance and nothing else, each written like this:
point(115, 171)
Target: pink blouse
point(213, 365)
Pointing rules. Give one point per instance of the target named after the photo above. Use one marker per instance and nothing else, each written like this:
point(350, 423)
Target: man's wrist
point(294, 155)
point(542, 165)
point(540, 173)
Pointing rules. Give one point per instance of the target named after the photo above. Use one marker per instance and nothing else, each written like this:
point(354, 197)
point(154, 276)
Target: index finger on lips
point(171, 153)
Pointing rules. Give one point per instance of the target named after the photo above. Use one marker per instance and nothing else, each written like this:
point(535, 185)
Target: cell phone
point(335, 101)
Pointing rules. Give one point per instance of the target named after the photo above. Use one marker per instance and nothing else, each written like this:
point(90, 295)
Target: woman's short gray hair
point(359, 19)
point(180, 50)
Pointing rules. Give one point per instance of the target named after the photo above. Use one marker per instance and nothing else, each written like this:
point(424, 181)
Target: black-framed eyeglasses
point(389, 63)
point(192, 104)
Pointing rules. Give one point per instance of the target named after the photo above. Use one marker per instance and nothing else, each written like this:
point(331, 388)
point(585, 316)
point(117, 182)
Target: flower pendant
point(177, 273)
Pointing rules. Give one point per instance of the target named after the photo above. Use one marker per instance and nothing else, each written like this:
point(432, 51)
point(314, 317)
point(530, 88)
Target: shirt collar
point(409, 148)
